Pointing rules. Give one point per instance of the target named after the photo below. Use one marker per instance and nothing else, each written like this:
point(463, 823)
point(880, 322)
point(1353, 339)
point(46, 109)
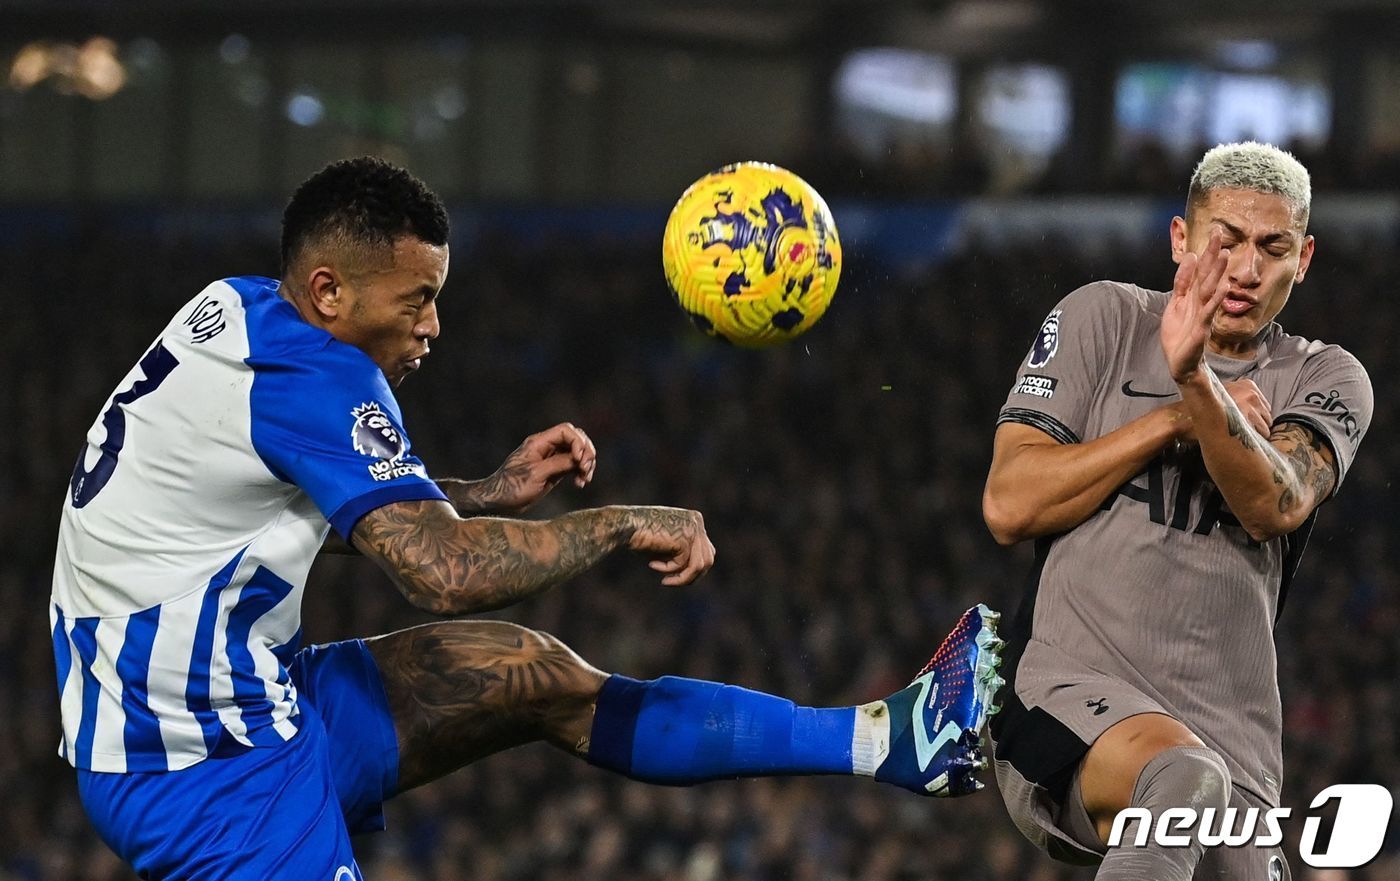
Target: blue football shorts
point(271, 813)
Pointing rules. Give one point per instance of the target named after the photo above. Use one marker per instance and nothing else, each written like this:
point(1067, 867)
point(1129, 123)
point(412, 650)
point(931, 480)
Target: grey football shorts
point(1053, 710)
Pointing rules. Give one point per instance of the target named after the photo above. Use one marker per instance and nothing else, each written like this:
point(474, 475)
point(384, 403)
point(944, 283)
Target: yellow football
point(751, 254)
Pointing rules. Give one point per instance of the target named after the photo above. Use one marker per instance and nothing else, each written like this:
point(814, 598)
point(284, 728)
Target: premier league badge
point(375, 435)
point(1047, 342)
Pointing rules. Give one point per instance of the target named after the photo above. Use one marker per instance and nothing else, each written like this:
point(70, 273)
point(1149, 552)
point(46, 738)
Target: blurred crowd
point(918, 167)
point(840, 477)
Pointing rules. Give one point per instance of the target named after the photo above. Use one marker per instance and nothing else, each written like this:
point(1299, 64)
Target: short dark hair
point(364, 201)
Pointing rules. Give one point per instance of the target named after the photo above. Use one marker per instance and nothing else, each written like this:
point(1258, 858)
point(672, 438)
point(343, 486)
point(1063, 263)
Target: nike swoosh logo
point(925, 749)
point(1134, 393)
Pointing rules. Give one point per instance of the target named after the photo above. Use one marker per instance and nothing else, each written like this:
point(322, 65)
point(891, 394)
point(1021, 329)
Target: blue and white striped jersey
point(196, 507)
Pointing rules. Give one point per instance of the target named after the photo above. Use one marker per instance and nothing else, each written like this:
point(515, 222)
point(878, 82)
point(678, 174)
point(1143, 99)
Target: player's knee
point(562, 676)
point(558, 689)
point(528, 666)
point(1214, 783)
point(1165, 773)
point(546, 645)
point(1184, 777)
point(1118, 758)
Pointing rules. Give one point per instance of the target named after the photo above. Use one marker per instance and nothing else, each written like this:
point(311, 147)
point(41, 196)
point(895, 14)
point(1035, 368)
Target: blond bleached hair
point(1250, 165)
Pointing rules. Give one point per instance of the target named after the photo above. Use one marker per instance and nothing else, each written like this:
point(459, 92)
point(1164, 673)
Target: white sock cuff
point(870, 743)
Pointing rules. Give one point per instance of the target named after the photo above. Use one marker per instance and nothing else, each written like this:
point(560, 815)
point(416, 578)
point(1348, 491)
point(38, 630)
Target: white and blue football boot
point(936, 723)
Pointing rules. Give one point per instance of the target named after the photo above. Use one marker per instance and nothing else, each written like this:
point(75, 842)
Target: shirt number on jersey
point(86, 484)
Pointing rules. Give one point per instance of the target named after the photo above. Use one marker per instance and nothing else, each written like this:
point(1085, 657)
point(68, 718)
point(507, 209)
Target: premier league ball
point(751, 254)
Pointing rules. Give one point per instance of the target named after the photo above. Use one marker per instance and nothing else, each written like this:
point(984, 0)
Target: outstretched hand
point(675, 538)
point(540, 462)
point(1197, 292)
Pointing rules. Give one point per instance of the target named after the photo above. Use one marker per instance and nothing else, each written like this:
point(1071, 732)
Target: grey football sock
point(1180, 777)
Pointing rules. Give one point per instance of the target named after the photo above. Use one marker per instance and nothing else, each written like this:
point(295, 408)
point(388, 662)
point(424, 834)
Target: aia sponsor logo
point(1332, 404)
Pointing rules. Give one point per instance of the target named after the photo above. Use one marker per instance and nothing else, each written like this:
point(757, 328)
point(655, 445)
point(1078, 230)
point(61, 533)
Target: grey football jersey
point(1161, 587)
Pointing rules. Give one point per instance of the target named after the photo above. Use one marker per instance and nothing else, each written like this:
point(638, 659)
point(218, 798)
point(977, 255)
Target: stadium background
point(982, 159)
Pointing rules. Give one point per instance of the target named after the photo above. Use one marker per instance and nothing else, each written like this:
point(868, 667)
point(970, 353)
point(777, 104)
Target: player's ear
point(1304, 259)
point(1178, 236)
point(323, 289)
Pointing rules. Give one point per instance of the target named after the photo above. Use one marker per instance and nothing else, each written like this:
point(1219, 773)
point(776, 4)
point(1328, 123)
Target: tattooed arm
point(448, 565)
point(470, 498)
point(526, 476)
point(528, 473)
point(1038, 486)
point(1271, 484)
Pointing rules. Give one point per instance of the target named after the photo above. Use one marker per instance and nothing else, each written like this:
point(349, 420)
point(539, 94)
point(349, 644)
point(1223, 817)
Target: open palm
point(1197, 293)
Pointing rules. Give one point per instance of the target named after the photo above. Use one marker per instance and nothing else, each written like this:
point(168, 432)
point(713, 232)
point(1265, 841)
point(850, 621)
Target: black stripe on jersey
point(1293, 545)
point(1039, 746)
point(1036, 419)
point(1295, 542)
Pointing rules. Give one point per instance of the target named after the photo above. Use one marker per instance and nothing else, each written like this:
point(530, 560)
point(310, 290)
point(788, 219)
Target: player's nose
point(428, 326)
point(1244, 267)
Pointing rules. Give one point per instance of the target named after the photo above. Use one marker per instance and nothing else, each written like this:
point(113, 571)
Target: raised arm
point(449, 565)
point(1043, 479)
point(1271, 484)
point(1038, 486)
point(528, 474)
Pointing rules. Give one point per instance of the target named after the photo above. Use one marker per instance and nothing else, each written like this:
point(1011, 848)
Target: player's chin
point(1235, 327)
point(400, 373)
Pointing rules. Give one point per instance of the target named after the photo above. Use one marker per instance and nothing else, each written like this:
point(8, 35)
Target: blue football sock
point(680, 731)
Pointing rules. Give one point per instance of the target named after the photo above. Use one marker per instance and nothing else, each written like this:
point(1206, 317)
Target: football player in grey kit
point(1168, 453)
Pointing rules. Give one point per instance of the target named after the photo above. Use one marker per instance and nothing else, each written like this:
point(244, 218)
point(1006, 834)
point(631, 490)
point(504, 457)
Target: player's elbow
point(1263, 534)
point(1004, 533)
point(441, 599)
point(1257, 532)
point(1265, 521)
point(1270, 525)
point(1008, 521)
point(430, 600)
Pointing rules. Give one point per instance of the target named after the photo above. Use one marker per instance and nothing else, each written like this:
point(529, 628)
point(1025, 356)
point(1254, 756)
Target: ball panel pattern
point(752, 254)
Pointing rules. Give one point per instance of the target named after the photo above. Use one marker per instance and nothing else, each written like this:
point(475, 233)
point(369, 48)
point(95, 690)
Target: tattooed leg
point(462, 690)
